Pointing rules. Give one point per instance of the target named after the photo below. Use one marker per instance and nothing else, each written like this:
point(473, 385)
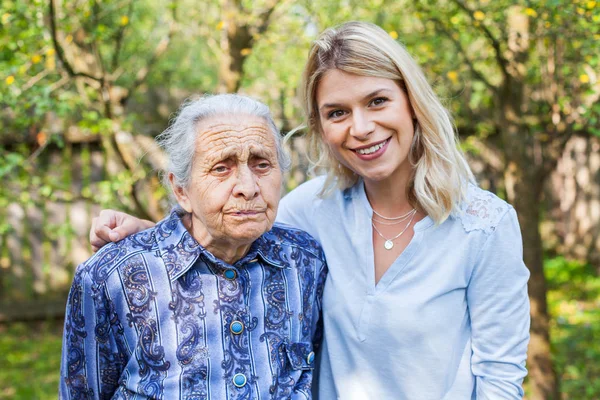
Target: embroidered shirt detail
point(481, 210)
point(152, 316)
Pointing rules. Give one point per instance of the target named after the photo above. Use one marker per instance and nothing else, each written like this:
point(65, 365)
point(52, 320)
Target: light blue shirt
point(157, 316)
point(448, 320)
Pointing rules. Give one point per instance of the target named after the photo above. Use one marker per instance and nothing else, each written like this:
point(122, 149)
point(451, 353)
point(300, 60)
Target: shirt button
point(310, 358)
point(239, 380)
point(230, 274)
point(236, 327)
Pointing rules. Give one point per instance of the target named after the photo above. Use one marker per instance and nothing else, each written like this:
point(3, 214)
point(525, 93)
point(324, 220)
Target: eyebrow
point(368, 96)
point(255, 152)
point(261, 153)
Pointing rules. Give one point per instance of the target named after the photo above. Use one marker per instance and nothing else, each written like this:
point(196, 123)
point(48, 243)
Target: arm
point(310, 377)
point(112, 226)
point(91, 363)
point(499, 310)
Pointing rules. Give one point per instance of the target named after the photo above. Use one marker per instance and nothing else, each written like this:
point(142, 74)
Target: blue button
point(230, 274)
point(239, 380)
point(310, 358)
point(236, 327)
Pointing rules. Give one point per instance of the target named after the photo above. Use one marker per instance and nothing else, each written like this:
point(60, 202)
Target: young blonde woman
point(426, 296)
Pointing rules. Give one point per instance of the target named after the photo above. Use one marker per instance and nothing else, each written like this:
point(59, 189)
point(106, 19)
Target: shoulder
point(291, 240)
point(301, 206)
point(114, 256)
point(307, 191)
point(482, 210)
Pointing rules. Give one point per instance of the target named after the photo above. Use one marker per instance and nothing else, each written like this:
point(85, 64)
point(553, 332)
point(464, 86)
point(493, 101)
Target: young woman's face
point(367, 122)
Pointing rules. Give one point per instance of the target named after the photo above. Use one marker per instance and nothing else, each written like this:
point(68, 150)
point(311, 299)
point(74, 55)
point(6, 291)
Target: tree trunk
point(524, 183)
point(236, 42)
point(542, 377)
point(240, 28)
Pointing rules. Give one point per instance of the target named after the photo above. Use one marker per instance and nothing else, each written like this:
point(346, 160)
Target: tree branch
point(265, 17)
point(502, 61)
point(119, 39)
point(160, 49)
point(441, 27)
point(60, 53)
point(479, 75)
point(95, 47)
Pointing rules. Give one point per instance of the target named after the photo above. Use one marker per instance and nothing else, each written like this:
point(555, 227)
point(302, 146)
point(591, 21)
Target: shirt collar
point(179, 250)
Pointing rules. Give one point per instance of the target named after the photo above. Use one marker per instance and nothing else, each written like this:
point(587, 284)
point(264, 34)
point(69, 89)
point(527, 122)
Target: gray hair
point(179, 139)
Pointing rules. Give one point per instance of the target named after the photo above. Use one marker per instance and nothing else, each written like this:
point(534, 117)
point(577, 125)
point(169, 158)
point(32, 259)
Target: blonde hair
point(440, 171)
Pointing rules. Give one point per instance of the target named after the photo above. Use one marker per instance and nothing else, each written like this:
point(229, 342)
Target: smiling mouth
point(371, 149)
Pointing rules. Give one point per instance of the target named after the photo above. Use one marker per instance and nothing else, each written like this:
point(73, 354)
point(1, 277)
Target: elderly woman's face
point(236, 181)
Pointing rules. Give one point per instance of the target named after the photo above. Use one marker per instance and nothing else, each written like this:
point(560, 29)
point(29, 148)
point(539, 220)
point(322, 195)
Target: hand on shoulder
point(112, 226)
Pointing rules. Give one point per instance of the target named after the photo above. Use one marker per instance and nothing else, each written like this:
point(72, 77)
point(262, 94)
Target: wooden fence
point(48, 235)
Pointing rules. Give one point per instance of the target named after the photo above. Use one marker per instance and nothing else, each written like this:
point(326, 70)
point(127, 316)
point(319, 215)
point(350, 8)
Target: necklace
point(389, 243)
point(402, 217)
point(392, 222)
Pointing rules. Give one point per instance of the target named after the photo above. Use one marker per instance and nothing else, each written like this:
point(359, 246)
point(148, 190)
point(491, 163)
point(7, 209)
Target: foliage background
point(86, 84)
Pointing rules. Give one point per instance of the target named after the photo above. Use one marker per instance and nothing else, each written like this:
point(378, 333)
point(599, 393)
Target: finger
point(108, 218)
point(93, 228)
point(128, 226)
point(100, 236)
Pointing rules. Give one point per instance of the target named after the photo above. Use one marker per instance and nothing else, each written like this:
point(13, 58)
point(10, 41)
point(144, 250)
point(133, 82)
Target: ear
point(180, 194)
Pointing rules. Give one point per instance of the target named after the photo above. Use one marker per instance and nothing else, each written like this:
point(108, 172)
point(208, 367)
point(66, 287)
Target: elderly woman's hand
point(112, 226)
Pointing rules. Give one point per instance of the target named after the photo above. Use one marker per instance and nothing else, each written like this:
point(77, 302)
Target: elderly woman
point(215, 301)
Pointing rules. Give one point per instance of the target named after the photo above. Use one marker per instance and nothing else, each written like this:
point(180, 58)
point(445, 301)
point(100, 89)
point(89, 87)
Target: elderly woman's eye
point(263, 165)
point(220, 169)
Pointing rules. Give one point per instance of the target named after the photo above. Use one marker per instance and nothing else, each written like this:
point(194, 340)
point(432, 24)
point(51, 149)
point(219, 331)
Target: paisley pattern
point(277, 331)
point(150, 317)
point(149, 353)
point(75, 335)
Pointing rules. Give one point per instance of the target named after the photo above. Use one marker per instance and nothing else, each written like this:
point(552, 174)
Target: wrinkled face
point(235, 181)
point(367, 122)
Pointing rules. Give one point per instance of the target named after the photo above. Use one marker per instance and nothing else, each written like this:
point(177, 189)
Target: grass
point(30, 360)
point(30, 353)
point(574, 303)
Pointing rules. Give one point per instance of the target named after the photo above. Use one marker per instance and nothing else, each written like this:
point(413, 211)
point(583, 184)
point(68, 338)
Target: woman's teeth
point(371, 149)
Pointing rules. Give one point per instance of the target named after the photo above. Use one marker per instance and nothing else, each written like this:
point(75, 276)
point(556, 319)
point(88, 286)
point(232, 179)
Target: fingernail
point(114, 236)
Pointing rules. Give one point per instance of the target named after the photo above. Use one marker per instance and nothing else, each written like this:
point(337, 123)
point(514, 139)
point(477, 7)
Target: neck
point(223, 249)
point(388, 198)
point(229, 255)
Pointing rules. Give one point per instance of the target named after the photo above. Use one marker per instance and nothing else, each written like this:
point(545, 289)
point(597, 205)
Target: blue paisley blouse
point(158, 316)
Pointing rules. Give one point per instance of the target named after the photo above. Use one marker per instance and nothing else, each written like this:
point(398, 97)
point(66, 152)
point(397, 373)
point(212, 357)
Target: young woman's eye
point(378, 101)
point(335, 114)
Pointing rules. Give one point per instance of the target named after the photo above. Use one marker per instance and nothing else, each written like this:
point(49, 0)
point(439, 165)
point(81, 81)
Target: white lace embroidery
point(481, 210)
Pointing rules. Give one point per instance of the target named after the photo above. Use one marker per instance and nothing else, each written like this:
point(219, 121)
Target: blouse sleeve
point(91, 361)
point(499, 310)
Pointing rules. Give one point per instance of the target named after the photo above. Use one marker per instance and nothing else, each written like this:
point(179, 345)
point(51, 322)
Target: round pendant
point(388, 244)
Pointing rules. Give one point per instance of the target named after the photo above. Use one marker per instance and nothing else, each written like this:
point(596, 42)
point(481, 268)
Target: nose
point(246, 185)
point(362, 126)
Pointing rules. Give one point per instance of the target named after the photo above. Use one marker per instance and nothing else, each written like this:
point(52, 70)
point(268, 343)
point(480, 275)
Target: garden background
point(85, 85)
